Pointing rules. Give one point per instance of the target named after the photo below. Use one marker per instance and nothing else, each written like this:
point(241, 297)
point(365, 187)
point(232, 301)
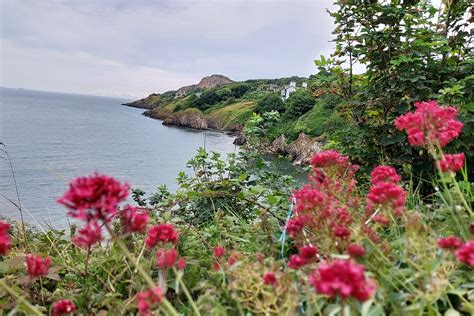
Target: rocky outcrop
point(208, 82)
point(299, 152)
point(191, 118)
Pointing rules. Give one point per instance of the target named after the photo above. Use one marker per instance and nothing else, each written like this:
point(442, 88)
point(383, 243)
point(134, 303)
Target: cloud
point(184, 40)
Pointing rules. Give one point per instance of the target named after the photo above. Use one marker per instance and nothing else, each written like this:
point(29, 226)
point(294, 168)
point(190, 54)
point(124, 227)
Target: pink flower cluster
point(386, 193)
point(146, 300)
point(342, 278)
point(162, 233)
point(452, 162)
point(356, 250)
point(306, 254)
point(5, 241)
point(37, 266)
point(270, 279)
point(94, 198)
point(63, 307)
point(322, 207)
point(449, 243)
point(134, 219)
point(430, 124)
point(465, 253)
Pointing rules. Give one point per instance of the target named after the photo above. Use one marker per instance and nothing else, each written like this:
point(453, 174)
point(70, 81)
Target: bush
point(271, 102)
point(299, 102)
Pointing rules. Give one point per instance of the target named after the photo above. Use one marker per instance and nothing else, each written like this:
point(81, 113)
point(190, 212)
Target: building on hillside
point(288, 90)
point(304, 85)
point(273, 87)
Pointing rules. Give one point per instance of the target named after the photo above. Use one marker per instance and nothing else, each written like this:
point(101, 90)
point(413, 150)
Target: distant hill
point(153, 100)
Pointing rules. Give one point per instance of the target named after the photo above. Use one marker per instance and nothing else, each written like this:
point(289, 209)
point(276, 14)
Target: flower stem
point(188, 295)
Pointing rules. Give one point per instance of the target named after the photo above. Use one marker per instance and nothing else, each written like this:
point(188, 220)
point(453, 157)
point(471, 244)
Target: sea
point(49, 138)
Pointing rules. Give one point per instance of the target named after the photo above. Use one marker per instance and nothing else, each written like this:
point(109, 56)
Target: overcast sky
point(133, 48)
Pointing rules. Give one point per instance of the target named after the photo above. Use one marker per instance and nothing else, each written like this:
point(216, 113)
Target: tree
point(299, 102)
point(271, 102)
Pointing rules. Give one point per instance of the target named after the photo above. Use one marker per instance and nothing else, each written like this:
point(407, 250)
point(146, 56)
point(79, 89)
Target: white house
point(287, 90)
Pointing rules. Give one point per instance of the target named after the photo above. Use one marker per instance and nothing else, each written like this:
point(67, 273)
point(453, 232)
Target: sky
point(130, 49)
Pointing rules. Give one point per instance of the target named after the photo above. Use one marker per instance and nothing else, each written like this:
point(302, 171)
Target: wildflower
point(308, 252)
point(37, 266)
point(63, 307)
point(88, 236)
point(134, 219)
point(381, 219)
point(384, 174)
point(148, 299)
point(450, 242)
point(296, 262)
point(430, 124)
point(307, 198)
point(95, 197)
point(343, 278)
point(356, 250)
point(465, 253)
point(452, 162)
point(329, 158)
point(270, 279)
point(341, 232)
point(181, 264)
point(232, 260)
point(387, 193)
point(218, 251)
point(5, 242)
point(162, 233)
point(216, 266)
point(295, 226)
point(165, 259)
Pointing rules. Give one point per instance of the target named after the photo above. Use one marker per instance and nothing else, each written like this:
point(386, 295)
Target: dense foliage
point(225, 243)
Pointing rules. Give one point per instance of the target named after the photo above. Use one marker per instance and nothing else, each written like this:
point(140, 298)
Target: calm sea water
point(54, 137)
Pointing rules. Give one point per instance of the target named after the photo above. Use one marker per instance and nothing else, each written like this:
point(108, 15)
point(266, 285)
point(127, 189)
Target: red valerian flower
point(148, 299)
point(430, 124)
point(270, 279)
point(165, 259)
point(341, 231)
point(218, 251)
point(162, 233)
point(465, 253)
point(387, 193)
point(296, 262)
point(308, 252)
point(232, 260)
point(384, 174)
point(381, 219)
point(181, 264)
point(95, 197)
point(5, 241)
point(134, 219)
point(37, 266)
point(88, 236)
point(343, 278)
point(329, 158)
point(452, 162)
point(450, 242)
point(307, 198)
point(295, 226)
point(63, 307)
point(356, 250)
